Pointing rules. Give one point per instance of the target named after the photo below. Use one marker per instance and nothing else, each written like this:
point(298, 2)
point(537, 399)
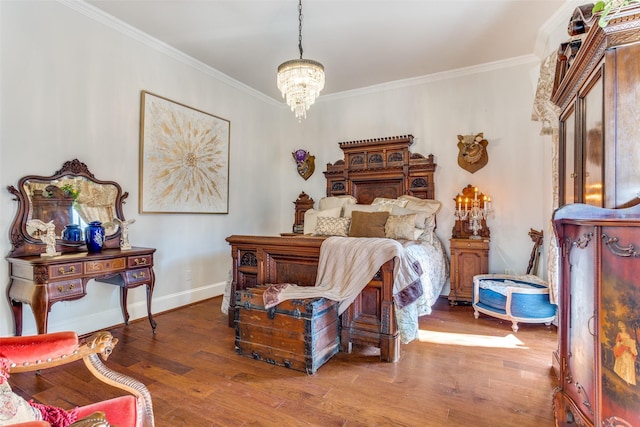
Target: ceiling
point(360, 43)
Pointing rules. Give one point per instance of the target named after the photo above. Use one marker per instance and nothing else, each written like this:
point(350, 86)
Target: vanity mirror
point(72, 197)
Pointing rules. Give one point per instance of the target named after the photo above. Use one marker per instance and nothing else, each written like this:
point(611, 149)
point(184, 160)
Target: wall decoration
point(184, 158)
point(472, 154)
point(305, 163)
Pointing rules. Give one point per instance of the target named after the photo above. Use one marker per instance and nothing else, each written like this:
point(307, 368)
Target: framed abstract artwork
point(184, 158)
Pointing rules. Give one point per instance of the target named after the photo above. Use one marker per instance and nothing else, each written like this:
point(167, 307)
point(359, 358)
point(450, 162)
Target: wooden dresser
point(599, 316)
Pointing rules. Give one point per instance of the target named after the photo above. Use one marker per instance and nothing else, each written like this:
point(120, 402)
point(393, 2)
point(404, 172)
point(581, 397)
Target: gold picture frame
point(184, 158)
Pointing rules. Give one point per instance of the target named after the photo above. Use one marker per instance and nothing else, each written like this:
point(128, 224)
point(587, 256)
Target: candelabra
point(479, 210)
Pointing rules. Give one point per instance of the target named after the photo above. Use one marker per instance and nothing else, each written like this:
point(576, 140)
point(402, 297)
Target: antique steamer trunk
point(300, 334)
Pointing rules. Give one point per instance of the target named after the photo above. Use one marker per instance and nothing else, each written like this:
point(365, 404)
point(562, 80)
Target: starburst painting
point(184, 158)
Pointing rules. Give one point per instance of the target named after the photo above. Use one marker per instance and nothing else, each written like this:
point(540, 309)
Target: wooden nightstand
point(468, 258)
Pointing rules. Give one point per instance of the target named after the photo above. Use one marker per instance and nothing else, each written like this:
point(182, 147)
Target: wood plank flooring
point(464, 372)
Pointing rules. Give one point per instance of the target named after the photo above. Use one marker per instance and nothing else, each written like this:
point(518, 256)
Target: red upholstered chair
point(39, 352)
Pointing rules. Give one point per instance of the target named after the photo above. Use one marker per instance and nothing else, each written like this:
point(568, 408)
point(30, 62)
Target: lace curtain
point(97, 203)
point(547, 113)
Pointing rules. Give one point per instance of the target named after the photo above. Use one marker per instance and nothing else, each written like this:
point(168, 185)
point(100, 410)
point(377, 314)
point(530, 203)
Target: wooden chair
point(515, 298)
point(39, 352)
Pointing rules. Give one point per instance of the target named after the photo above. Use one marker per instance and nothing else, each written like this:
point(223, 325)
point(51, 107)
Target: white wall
point(70, 82)
point(496, 100)
point(70, 88)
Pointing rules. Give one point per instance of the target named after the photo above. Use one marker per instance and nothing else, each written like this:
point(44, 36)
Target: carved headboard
point(381, 167)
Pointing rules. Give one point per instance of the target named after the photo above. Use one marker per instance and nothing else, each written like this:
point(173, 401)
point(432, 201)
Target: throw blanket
point(345, 267)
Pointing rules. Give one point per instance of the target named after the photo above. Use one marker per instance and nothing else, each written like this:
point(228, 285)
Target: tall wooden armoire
point(597, 88)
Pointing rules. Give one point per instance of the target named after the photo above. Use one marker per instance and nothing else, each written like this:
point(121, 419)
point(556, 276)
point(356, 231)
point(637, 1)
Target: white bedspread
point(435, 271)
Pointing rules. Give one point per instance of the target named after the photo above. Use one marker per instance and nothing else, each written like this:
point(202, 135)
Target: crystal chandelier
point(300, 80)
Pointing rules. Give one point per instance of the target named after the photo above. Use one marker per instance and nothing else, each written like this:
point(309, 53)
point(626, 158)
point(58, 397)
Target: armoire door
point(590, 104)
point(619, 319)
point(578, 338)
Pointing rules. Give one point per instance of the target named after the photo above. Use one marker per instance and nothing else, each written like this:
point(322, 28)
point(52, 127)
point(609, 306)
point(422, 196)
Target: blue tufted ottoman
point(514, 298)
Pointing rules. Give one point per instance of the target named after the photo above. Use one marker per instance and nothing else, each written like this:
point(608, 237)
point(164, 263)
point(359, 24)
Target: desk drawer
point(65, 289)
point(104, 266)
point(140, 275)
point(140, 261)
point(66, 270)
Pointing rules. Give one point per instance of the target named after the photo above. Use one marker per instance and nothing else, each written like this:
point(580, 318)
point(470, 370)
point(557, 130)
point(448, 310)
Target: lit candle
point(466, 203)
point(475, 193)
point(489, 202)
point(485, 204)
point(459, 202)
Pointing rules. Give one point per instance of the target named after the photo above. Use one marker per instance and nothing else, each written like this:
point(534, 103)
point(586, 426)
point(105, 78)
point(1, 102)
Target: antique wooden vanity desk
point(40, 281)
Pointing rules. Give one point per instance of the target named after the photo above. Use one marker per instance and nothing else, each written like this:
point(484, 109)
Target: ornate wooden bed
point(382, 167)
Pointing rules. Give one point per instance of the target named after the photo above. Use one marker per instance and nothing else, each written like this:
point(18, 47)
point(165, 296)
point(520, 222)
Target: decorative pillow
point(368, 224)
point(431, 207)
point(311, 218)
point(14, 409)
point(417, 204)
point(421, 216)
point(336, 201)
point(400, 227)
point(328, 226)
point(348, 210)
point(388, 203)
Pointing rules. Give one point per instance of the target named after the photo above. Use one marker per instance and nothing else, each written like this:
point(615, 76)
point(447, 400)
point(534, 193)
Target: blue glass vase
point(94, 236)
point(72, 233)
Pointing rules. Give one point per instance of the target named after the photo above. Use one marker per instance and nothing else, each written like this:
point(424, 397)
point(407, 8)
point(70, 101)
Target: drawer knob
point(140, 261)
point(71, 270)
point(61, 288)
point(138, 275)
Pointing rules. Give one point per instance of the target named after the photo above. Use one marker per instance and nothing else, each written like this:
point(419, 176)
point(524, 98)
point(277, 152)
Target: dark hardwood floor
point(464, 372)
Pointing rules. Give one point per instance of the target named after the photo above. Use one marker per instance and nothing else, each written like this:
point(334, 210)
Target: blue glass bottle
point(94, 236)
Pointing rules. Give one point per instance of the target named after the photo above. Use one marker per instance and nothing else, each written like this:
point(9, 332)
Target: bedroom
point(69, 100)
point(71, 83)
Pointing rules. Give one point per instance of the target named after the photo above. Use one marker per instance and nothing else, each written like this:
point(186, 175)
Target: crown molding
point(155, 44)
point(435, 77)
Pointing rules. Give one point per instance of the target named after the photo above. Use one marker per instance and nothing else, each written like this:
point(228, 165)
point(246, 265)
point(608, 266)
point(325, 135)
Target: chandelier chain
point(300, 27)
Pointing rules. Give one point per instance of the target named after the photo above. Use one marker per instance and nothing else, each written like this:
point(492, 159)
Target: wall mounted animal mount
point(472, 155)
point(305, 163)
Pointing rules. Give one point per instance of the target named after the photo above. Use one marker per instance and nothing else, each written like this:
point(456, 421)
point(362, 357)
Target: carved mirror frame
point(25, 243)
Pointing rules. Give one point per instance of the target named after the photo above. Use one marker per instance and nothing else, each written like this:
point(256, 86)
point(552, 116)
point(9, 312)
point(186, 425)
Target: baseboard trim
point(112, 316)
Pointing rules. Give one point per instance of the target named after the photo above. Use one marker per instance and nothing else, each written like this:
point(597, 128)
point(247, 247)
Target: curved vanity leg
point(123, 303)
point(149, 295)
point(16, 307)
point(41, 306)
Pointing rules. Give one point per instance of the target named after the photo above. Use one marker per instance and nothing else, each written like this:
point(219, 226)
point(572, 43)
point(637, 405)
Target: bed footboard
point(370, 320)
